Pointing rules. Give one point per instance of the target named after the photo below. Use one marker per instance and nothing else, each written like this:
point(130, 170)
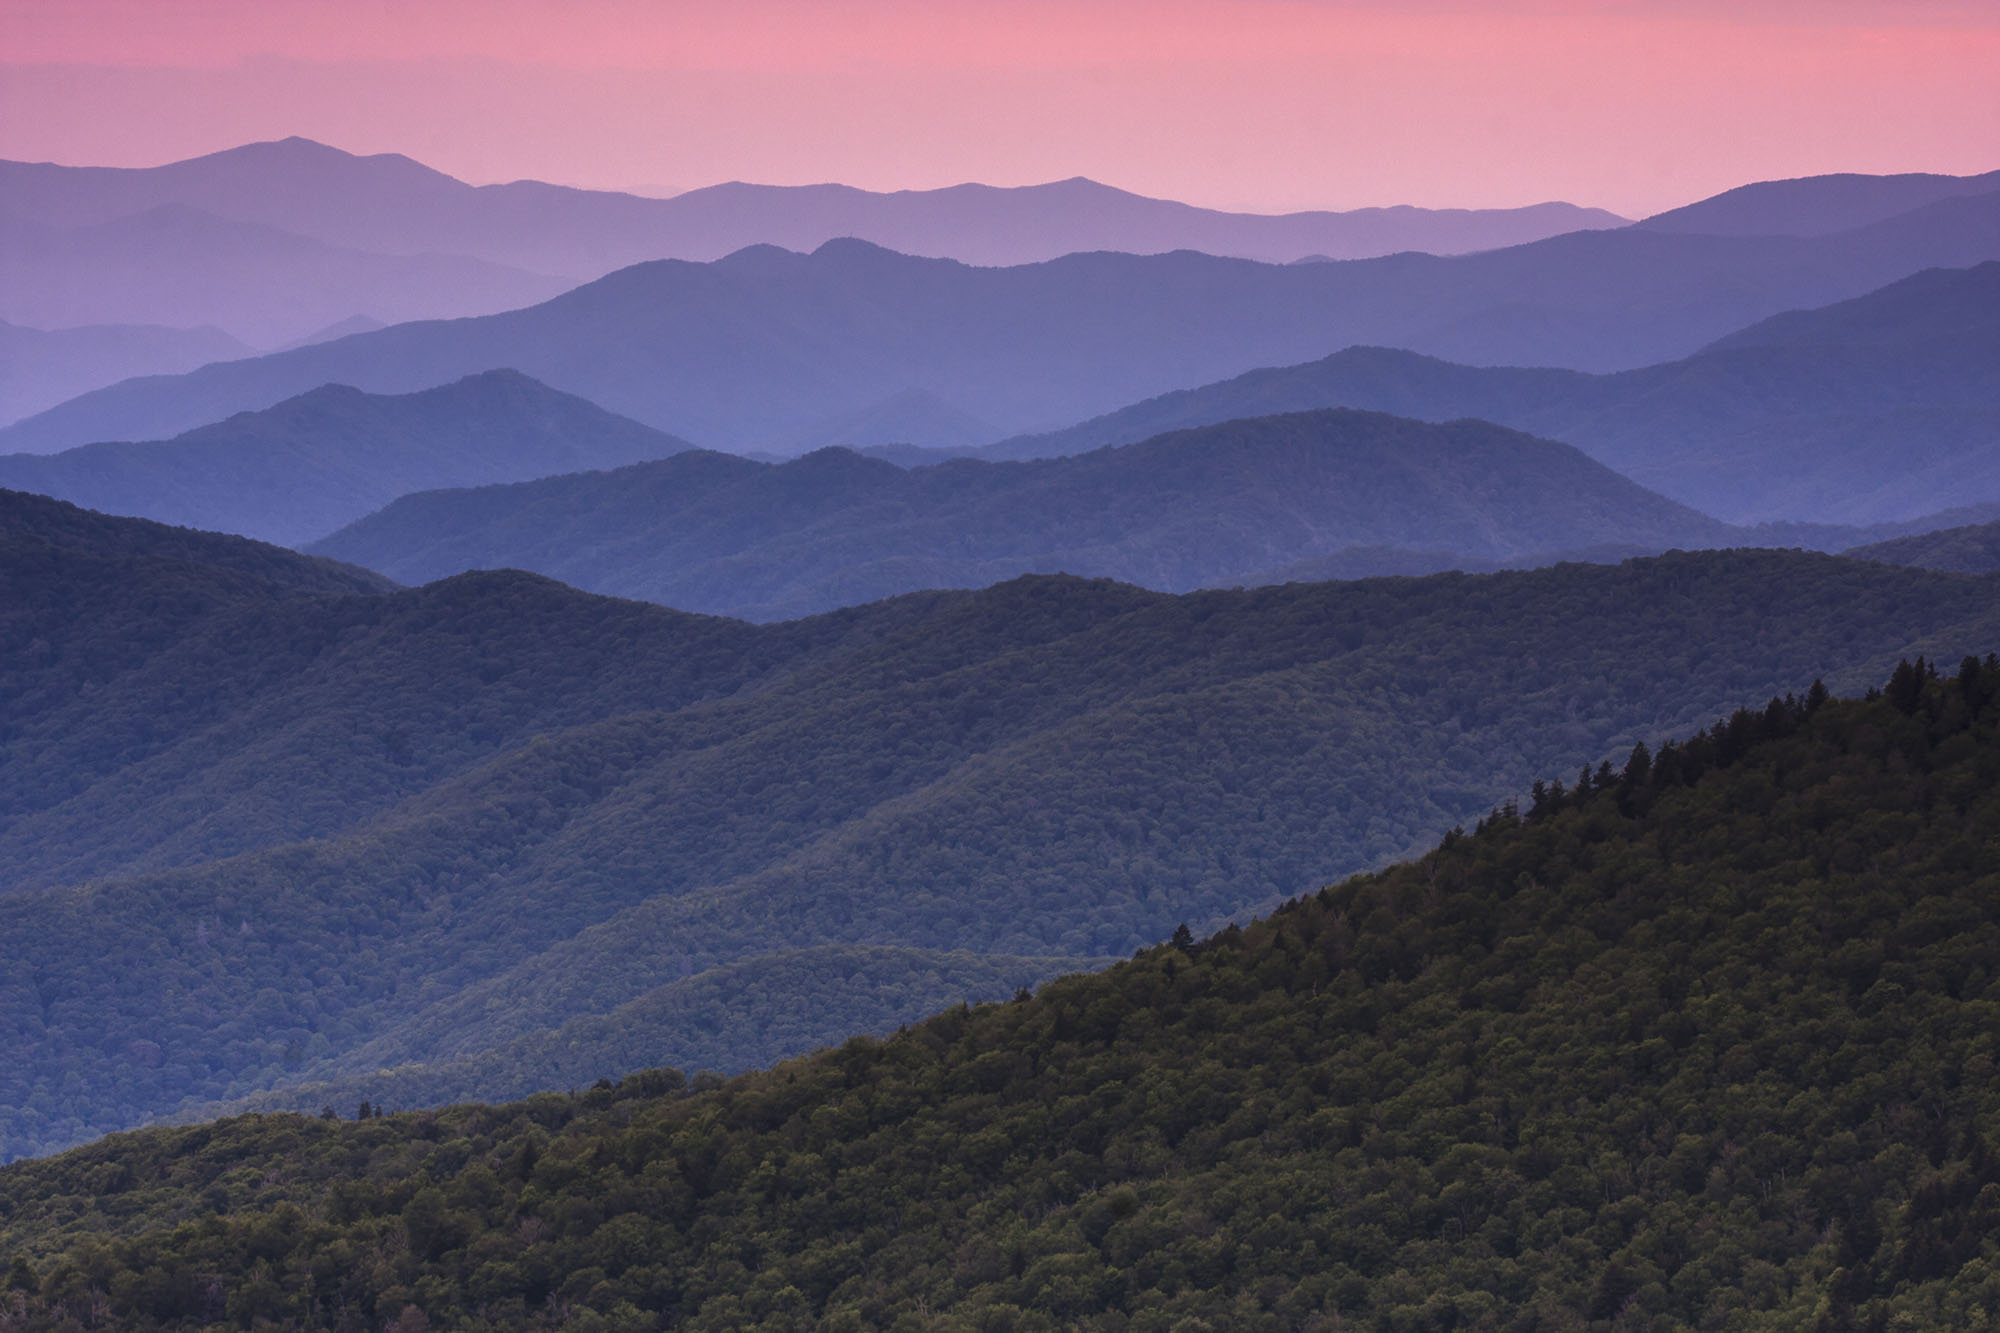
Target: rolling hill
point(258, 835)
point(1705, 1040)
point(297, 471)
point(770, 542)
point(1971, 549)
point(767, 349)
point(1870, 410)
point(36, 528)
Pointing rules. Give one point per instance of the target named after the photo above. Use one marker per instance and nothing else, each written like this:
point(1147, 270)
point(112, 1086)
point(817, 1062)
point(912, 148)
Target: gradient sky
point(1634, 105)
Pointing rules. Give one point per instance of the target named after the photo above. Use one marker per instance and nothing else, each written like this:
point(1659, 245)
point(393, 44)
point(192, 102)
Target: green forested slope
point(1187, 509)
point(736, 1016)
point(1707, 1042)
point(523, 806)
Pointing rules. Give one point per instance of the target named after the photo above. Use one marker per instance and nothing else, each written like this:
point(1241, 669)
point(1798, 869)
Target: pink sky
point(1254, 104)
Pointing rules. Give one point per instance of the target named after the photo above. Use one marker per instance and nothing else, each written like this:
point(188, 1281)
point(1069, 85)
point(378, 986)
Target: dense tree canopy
point(1973, 548)
point(1703, 1041)
point(287, 838)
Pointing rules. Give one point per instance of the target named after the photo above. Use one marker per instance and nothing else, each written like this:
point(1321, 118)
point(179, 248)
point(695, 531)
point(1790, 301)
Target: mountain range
point(274, 242)
point(1068, 823)
point(1704, 1039)
point(1871, 410)
point(298, 471)
point(729, 536)
point(388, 204)
point(1875, 409)
point(265, 824)
point(766, 349)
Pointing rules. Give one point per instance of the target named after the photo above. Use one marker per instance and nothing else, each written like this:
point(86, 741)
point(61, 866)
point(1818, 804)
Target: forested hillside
point(1701, 1041)
point(729, 536)
point(736, 1016)
point(283, 837)
point(1972, 549)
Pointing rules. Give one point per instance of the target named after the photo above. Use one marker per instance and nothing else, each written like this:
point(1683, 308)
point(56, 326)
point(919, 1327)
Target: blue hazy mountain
point(179, 264)
point(390, 204)
point(716, 533)
point(297, 471)
point(40, 368)
point(1879, 408)
point(1817, 205)
point(763, 348)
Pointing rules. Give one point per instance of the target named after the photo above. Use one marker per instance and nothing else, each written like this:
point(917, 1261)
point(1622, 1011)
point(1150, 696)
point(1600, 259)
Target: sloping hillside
point(1972, 549)
point(284, 838)
point(1705, 1041)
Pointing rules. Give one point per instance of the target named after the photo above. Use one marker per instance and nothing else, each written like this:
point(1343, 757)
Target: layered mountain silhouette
point(295, 472)
point(762, 349)
point(178, 264)
point(329, 834)
point(715, 533)
point(389, 204)
point(1870, 410)
point(40, 368)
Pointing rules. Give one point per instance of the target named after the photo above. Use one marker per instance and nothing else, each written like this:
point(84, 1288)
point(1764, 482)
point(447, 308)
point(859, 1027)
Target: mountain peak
point(298, 154)
point(853, 247)
point(1816, 205)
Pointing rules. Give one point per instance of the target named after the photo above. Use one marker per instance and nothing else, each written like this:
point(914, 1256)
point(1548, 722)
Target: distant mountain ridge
point(724, 535)
point(766, 348)
point(297, 471)
point(392, 204)
point(179, 264)
point(40, 368)
point(276, 241)
point(1817, 205)
point(1878, 408)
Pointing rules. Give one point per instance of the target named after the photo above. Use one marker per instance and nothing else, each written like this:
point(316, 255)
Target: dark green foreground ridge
point(1707, 1043)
